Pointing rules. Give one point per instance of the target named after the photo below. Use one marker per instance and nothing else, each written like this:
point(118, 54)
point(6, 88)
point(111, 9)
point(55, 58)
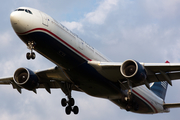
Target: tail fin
point(160, 88)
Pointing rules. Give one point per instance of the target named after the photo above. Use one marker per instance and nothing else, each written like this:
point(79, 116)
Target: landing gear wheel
point(33, 55)
point(31, 45)
point(68, 110)
point(128, 108)
point(75, 110)
point(63, 102)
point(71, 102)
point(28, 56)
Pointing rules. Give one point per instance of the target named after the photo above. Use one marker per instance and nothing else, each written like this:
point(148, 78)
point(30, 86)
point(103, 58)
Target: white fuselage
point(26, 24)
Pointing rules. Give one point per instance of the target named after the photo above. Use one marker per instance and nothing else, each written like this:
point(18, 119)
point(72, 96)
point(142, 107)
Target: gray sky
point(144, 30)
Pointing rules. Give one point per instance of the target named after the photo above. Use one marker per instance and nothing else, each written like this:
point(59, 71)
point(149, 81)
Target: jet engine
point(26, 78)
point(133, 71)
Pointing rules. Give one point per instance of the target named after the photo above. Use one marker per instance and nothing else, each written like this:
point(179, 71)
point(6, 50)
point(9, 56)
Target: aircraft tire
point(68, 110)
point(71, 102)
point(63, 102)
point(33, 55)
point(128, 108)
point(28, 56)
point(75, 110)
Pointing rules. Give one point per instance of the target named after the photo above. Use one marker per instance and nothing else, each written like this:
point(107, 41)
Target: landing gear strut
point(129, 100)
point(131, 104)
point(31, 55)
point(69, 104)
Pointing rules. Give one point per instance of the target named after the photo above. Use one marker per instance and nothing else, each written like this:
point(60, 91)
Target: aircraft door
point(81, 44)
point(44, 19)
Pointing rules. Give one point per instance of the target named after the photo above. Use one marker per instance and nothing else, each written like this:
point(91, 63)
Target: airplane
point(131, 85)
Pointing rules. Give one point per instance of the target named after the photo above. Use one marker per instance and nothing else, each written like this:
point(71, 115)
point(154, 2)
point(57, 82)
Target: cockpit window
point(28, 11)
point(20, 9)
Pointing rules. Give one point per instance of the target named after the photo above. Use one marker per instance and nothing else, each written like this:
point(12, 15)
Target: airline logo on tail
point(164, 84)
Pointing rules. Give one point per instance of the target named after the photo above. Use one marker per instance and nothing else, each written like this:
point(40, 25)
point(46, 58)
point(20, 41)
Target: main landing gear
point(130, 102)
point(31, 55)
point(68, 104)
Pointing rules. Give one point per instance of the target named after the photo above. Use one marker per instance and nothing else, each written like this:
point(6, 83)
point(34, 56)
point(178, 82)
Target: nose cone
point(14, 18)
point(17, 21)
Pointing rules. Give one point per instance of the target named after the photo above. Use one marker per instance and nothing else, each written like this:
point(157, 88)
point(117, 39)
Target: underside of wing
point(137, 73)
point(49, 78)
point(6, 80)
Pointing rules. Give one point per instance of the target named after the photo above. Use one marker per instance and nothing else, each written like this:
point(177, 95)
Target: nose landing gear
point(31, 55)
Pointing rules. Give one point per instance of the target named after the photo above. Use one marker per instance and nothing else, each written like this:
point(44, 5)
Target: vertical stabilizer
point(160, 88)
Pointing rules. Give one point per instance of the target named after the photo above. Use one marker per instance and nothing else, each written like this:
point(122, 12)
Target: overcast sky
point(144, 30)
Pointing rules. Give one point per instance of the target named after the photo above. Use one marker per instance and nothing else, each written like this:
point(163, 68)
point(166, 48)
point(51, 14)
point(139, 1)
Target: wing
point(155, 72)
point(49, 78)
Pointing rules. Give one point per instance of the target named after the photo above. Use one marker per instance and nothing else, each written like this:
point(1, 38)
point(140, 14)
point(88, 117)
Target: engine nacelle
point(26, 78)
point(133, 71)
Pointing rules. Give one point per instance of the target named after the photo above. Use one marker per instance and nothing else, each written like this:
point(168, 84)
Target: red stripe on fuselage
point(145, 100)
point(42, 29)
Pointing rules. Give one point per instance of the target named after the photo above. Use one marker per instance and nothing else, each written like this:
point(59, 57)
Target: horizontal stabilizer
point(171, 105)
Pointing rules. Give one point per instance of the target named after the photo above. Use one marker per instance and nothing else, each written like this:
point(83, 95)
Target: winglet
point(167, 61)
point(167, 78)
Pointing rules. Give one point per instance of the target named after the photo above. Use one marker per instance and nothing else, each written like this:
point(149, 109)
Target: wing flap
point(172, 76)
point(56, 85)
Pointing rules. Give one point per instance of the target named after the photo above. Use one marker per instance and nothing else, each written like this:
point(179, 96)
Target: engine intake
point(133, 71)
point(26, 78)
